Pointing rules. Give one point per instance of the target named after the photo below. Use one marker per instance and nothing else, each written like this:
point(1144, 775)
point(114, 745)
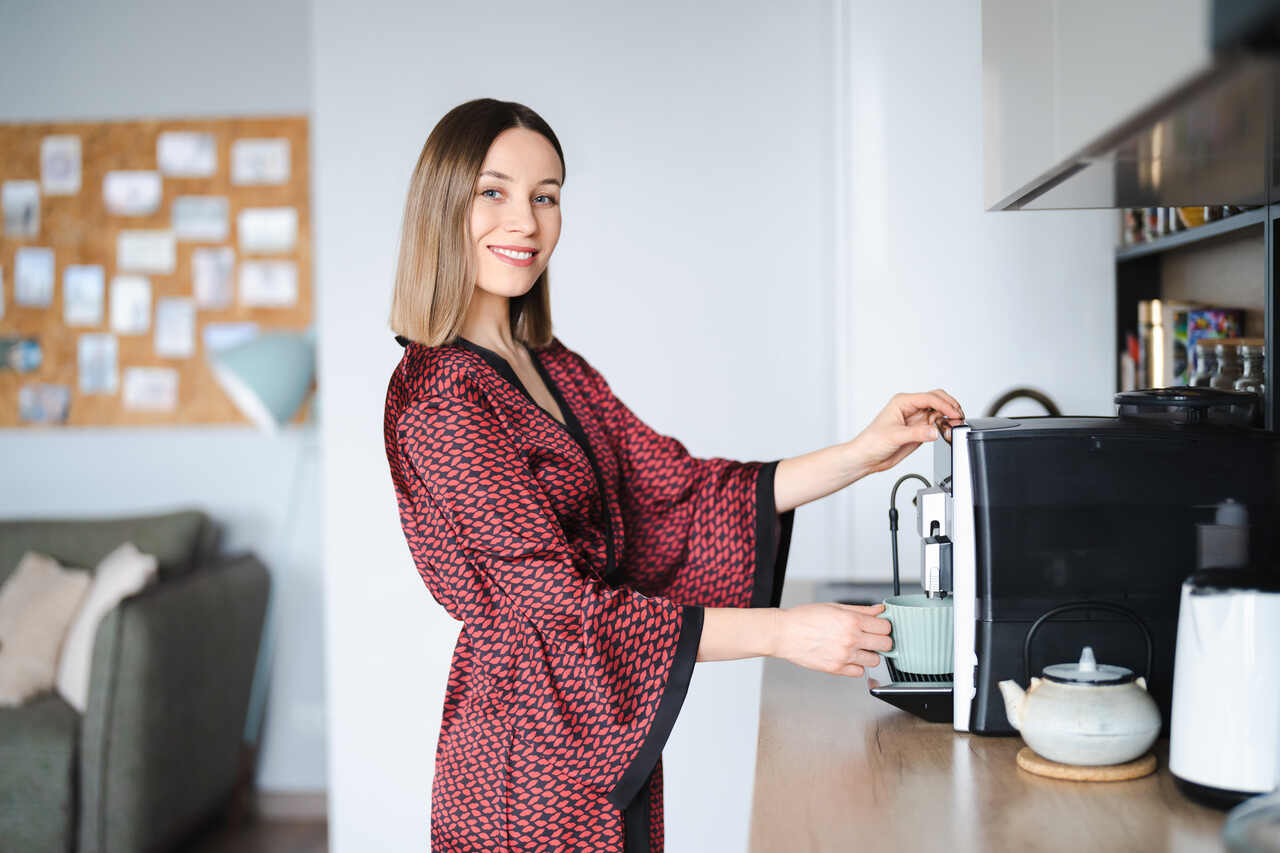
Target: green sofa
point(156, 752)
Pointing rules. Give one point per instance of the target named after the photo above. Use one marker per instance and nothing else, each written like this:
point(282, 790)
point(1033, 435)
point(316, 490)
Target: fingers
point(870, 624)
point(866, 659)
point(952, 400)
point(862, 661)
point(868, 609)
point(877, 643)
point(939, 400)
point(920, 433)
point(882, 627)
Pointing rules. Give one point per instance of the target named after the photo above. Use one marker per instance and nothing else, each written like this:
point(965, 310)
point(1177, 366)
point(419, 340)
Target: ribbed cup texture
point(922, 638)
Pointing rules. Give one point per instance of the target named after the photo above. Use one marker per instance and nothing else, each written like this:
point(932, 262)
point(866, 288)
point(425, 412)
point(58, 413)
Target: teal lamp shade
point(268, 376)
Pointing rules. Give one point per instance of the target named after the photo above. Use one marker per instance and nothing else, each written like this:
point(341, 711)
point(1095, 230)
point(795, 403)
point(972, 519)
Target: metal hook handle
point(1085, 605)
point(1020, 394)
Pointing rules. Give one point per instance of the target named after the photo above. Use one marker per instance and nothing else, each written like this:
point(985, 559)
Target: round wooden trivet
point(1033, 762)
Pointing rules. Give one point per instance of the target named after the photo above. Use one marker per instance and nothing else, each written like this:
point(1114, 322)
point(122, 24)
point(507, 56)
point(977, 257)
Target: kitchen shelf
point(1140, 275)
point(1207, 231)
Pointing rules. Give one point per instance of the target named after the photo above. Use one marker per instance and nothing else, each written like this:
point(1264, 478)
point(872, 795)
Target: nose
point(520, 218)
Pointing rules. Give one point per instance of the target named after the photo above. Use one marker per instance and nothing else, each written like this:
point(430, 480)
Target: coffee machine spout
point(933, 520)
point(935, 566)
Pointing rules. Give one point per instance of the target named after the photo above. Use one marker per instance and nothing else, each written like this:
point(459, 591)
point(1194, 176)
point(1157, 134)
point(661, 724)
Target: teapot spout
point(1013, 698)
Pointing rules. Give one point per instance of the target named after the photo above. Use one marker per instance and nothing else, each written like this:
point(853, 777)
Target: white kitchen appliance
point(1224, 742)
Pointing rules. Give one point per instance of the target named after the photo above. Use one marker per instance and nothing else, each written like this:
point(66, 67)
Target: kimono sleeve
point(704, 530)
point(604, 671)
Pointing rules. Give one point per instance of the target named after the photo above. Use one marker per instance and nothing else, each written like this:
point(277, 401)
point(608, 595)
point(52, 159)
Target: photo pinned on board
point(187, 154)
point(219, 336)
point(21, 202)
point(21, 354)
point(33, 277)
point(175, 327)
point(44, 403)
point(60, 165)
point(151, 389)
point(260, 161)
point(83, 287)
point(146, 251)
point(130, 304)
point(132, 193)
point(96, 363)
point(201, 217)
point(267, 229)
point(268, 283)
point(211, 275)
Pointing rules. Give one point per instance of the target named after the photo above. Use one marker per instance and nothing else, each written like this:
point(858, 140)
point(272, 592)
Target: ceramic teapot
point(1084, 713)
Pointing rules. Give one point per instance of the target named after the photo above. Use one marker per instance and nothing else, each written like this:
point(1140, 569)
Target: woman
point(590, 559)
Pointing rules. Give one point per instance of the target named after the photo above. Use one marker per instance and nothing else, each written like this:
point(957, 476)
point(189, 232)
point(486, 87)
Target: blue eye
point(550, 199)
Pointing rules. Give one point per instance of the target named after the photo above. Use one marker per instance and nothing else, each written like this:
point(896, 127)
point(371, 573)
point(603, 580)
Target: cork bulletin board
point(176, 237)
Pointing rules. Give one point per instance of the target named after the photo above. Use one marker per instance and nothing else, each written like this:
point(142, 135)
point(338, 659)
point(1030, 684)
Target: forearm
point(836, 638)
point(801, 479)
point(731, 633)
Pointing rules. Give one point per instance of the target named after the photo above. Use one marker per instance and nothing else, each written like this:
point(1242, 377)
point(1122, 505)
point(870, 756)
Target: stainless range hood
point(1204, 133)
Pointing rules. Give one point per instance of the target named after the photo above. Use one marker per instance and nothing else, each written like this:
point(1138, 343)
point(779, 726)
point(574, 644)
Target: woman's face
point(515, 212)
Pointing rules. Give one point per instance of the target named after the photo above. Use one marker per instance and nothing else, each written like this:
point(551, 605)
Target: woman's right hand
point(841, 639)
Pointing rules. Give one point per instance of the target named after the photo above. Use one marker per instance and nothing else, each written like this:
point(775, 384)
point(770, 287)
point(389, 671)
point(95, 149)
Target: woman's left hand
point(904, 424)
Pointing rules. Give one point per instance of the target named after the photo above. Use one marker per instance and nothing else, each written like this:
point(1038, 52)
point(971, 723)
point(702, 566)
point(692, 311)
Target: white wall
point(89, 61)
point(704, 270)
point(943, 294)
point(694, 270)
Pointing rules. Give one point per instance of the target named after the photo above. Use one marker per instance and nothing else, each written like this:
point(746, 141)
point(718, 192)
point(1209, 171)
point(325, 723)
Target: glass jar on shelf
point(1133, 226)
point(1206, 363)
point(1229, 367)
point(1253, 375)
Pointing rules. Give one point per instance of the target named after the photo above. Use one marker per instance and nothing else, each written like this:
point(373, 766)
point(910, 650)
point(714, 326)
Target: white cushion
point(37, 604)
point(120, 574)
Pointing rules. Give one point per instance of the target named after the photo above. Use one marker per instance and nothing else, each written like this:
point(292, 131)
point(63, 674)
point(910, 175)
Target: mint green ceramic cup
point(922, 638)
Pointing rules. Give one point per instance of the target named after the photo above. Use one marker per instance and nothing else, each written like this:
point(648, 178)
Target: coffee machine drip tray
point(928, 700)
point(899, 676)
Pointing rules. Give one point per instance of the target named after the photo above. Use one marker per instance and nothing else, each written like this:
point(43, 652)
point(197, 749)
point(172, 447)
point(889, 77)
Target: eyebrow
point(503, 177)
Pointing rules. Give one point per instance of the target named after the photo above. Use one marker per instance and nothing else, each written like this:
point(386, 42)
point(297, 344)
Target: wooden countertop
point(838, 769)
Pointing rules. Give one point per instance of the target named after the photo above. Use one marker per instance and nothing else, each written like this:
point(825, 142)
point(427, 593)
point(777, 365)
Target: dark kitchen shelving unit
point(1212, 138)
point(1138, 277)
point(1208, 231)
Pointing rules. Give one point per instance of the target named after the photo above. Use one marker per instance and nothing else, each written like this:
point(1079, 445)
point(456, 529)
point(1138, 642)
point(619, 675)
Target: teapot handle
point(1084, 605)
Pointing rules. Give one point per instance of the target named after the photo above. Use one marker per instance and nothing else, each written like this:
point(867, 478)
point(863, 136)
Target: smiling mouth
point(515, 257)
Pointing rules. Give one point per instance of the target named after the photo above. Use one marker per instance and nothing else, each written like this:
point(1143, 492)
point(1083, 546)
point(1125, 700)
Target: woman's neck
point(488, 323)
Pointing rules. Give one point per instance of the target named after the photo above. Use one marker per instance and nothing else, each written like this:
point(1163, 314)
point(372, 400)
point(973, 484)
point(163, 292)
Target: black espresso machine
point(1087, 526)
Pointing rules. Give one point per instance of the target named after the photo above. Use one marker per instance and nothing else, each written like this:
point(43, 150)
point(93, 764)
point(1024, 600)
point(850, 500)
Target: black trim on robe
point(637, 773)
point(635, 821)
point(773, 541)
point(571, 426)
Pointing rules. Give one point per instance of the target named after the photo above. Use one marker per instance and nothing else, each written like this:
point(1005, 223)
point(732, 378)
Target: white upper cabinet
point(1065, 81)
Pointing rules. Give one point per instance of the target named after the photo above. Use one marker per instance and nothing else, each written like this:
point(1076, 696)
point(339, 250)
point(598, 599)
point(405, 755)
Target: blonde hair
point(434, 275)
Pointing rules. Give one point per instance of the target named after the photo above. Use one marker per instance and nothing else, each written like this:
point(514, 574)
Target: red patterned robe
point(579, 558)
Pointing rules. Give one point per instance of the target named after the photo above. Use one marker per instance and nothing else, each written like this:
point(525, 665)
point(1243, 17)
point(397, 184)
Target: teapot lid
point(1088, 672)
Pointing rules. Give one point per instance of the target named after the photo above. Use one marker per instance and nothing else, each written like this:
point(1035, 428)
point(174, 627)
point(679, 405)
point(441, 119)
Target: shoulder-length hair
point(435, 274)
